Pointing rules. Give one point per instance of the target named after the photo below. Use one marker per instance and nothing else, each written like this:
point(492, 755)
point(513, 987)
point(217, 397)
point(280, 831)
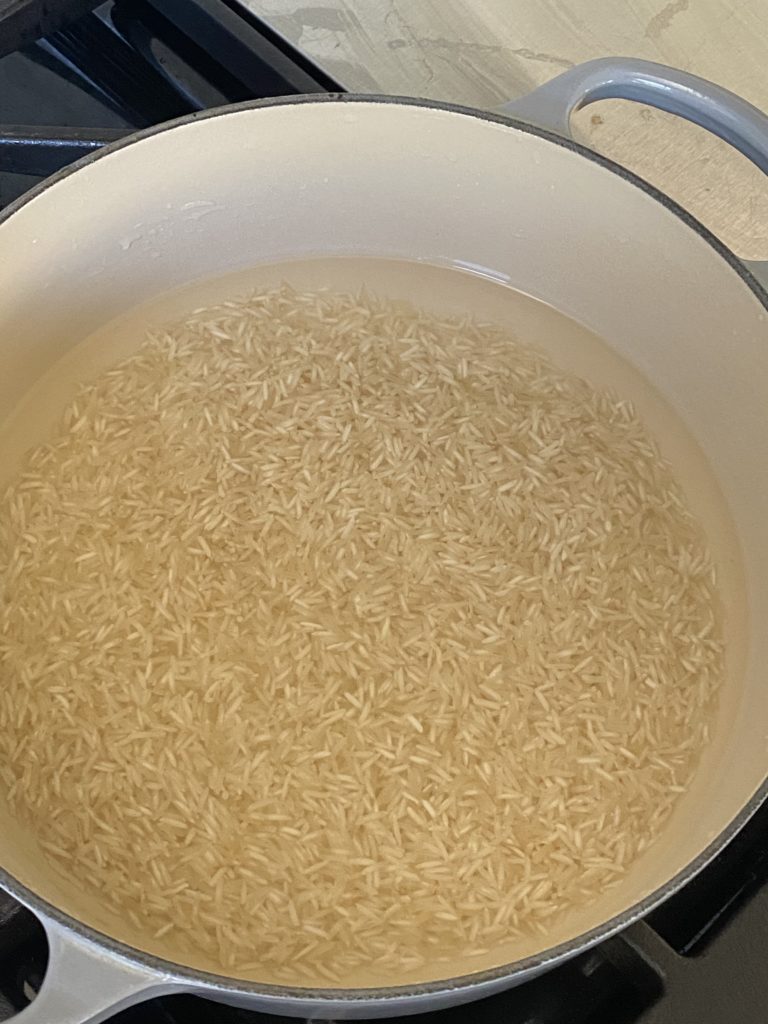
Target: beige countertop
point(482, 52)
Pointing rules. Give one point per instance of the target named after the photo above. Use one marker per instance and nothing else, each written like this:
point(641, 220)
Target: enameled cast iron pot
point(509, 191)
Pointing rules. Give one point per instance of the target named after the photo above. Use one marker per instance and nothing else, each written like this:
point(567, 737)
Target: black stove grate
point(130, 64)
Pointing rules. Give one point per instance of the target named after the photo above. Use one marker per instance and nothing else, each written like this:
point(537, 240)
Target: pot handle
point(85, 984)
point(719, 111)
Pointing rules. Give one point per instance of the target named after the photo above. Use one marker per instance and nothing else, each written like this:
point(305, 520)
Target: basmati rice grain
point(334, 633)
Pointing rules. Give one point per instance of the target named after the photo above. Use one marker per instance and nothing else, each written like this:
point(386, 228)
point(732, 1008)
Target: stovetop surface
point(702, 958)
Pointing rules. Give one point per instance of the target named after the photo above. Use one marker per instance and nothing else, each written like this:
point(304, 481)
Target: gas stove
point(701, 957)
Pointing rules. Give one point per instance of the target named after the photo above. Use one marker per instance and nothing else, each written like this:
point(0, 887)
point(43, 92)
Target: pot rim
point(211, 981)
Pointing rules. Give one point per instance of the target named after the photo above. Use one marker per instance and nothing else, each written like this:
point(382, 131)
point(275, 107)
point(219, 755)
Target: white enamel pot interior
point(274, 181)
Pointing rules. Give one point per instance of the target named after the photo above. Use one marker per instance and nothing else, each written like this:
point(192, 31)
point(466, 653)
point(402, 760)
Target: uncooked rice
point(337, 635)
